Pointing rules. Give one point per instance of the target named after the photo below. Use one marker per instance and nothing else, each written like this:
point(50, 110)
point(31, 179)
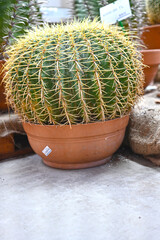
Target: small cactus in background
point(16, 17)
point(76, 73)
point(153, 11)
point(91, 9)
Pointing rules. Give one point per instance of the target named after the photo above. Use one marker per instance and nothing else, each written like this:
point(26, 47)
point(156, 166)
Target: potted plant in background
point(151, 38)
point(73, 86)
point(151, 33)
point(90, 9)
point(136, 23)
point(15, 18)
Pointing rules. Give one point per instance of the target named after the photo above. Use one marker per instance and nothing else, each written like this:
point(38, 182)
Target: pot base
point(77, 165)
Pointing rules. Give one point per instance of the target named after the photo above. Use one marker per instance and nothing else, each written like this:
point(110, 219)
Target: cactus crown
point(76, 73)
point(153, 11)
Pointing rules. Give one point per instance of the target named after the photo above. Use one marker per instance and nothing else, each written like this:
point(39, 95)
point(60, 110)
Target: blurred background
point(57, 10)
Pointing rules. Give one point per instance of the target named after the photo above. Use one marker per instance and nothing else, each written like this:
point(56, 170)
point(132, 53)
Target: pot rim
point(151, 26)
point(2, 61)
point(151, 56)
point(73, 125)
point(78, 130)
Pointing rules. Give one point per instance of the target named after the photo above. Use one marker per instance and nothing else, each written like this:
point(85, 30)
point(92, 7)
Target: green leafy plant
point(76, 73)
point(153, 11)
point(16, 17)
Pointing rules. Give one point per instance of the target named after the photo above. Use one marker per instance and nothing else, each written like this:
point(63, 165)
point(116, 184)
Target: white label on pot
point(116, 11)
point(46, 151)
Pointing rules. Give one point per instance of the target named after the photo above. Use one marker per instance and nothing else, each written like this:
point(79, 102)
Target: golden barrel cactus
point(80, 72)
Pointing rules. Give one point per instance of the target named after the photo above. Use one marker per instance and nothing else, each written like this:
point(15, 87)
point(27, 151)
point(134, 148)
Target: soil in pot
point(79, 146)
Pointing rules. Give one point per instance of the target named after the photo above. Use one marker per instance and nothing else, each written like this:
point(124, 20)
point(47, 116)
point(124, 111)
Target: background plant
point(16, 17)
point(84, 9)
point(153, 11)
point(78, 73)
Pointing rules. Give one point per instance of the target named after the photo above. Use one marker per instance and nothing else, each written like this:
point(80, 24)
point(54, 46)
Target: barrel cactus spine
point(153, 11)
point(76, 73)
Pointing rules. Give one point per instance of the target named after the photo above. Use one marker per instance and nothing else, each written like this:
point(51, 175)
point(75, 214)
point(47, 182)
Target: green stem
point(121, 25)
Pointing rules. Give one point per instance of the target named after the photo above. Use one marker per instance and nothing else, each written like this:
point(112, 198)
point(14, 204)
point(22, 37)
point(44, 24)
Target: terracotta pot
point(79, 146)
point(151, 36)
point(151, 58)
point(3, 105)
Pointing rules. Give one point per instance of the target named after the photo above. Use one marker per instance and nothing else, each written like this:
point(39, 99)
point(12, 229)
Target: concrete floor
point(117, 201)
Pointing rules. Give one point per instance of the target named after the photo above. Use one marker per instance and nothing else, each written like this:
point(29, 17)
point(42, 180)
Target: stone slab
point(116, 201)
